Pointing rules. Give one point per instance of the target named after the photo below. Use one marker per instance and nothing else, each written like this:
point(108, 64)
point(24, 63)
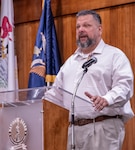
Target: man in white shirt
point(106, 85)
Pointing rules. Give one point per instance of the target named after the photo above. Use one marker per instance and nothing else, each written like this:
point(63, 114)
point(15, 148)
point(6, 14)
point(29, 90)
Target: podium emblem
point(17, 134)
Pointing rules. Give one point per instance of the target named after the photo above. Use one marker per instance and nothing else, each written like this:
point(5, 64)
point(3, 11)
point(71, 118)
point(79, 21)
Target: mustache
point(82, 35)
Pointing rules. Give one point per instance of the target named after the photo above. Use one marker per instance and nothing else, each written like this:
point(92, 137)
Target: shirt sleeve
point(55, 94)
point(122, 82)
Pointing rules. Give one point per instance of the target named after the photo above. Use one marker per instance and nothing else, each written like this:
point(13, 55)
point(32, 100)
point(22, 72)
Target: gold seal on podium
point(17, 134)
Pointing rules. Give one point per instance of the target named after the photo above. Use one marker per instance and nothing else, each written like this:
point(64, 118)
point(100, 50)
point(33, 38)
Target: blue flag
point(46, 58)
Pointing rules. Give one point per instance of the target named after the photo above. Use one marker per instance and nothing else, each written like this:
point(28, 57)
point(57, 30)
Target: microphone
point(85, 67)
point(88, 63)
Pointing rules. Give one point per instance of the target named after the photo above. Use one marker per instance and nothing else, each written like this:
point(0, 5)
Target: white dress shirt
point(111, 77)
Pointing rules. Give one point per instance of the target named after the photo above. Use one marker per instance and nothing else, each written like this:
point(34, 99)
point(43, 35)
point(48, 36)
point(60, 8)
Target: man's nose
point(81, 28)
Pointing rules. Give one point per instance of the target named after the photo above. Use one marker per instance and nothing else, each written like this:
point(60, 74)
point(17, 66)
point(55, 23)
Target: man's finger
point(88, 94)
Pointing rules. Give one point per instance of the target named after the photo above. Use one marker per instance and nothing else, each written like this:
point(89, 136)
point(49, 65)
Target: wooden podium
point(31, 123)
point(55, 126)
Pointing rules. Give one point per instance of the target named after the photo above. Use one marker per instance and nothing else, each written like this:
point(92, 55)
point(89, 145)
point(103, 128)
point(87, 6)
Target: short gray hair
point(90, 12)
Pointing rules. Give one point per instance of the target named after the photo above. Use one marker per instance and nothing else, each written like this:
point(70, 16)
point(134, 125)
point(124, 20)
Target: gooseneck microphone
point(85, 66)
point(88, 63)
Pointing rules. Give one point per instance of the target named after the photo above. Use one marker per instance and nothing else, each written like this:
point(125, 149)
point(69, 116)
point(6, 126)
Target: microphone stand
point(72, 109)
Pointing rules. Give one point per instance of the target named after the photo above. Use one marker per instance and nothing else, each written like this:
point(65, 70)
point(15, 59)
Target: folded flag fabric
point(46, 58)
point(7, 55)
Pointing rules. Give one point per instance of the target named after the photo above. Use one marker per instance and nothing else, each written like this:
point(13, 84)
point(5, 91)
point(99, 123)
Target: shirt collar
point(97, 50)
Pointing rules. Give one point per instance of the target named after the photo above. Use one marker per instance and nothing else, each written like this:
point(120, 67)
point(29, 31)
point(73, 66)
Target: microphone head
point(94, 60)
point(88, 63)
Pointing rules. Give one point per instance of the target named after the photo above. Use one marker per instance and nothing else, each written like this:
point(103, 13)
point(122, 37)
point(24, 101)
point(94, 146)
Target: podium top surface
point(34, 95)
point(22, 96)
